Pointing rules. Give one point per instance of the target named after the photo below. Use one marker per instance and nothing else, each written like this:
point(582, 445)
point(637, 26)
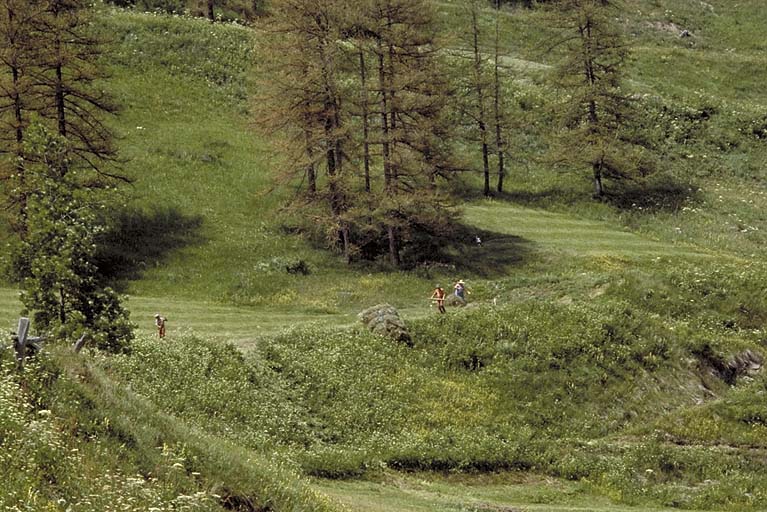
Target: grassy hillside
point(609, 360)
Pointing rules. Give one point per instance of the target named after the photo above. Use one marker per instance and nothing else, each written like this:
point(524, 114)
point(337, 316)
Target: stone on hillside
point(384, 320)
point(746, 363)
point(452, 301)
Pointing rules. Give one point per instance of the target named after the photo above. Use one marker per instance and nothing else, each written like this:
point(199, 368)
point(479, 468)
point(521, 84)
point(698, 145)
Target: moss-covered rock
point(384, 320)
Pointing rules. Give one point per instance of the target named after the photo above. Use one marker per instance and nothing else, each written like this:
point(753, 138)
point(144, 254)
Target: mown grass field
point(430, 492)
point(589, 373)
point(537, 235)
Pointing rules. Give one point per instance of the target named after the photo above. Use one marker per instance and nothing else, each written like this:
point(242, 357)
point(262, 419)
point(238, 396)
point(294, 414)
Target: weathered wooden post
point(23, 343)
point(20, 341)
point(78, 345)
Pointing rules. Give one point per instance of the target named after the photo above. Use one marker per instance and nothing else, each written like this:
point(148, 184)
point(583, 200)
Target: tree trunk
point(62, 309)
point(478, 84)
point(337, 139)
point(60, 107)
point(389, 173)
point(211, 13)
point(345, 241)
point(485, 163)
point(330, 157)
point(393, 246)
point(393, 168)
point(497, 102)
point(19, 152)
point(598, 189)
point(59, 93)
point(365, 126)
point(59, 96)
point(59, 85)
point(385, 149)
point(336, 201)
point(501, 169)
point(17, 109)
point(311, 173)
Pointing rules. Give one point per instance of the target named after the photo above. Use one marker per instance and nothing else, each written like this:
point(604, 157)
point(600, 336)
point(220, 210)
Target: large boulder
point(384, 320)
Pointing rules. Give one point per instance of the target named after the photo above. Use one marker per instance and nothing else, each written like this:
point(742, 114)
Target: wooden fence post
point(20, 343)
point(78, 345)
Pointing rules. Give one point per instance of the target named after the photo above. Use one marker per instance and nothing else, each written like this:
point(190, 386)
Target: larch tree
point(595, 108)
point(480, 79)
point(51, 72)
point(18, 52)
point(414, 133)
point(67, 85)
point(301, 101)
point(358, 98)
point(480, 85)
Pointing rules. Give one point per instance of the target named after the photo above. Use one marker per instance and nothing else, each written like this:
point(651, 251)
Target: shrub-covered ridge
point(564, 389)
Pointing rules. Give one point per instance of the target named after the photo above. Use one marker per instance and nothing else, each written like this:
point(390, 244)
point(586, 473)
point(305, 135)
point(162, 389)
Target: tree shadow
point(656, 194)
point(664, 194)
point(476, 252)
point(139, 239)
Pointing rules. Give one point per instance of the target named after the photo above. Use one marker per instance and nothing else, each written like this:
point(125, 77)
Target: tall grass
point(73, 438)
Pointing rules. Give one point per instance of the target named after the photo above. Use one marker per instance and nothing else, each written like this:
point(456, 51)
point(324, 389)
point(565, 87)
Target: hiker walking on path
point(461, 291)
point(439, 297)
point(159, 321)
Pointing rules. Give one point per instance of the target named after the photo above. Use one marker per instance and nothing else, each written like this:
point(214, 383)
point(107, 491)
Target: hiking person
point(439, 297)
point(461, 291)
point(159, 322)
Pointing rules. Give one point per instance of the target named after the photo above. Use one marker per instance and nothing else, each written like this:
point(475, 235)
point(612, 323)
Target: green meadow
point(609, 358)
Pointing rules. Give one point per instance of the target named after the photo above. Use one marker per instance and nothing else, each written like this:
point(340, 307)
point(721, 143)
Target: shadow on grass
point(462, 252)
point(140, 239)
point(664, 194)
point(657, 194)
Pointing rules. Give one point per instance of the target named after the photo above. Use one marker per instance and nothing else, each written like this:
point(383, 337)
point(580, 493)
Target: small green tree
point(61, 286)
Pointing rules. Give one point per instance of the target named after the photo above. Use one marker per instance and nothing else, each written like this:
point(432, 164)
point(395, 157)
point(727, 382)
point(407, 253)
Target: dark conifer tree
point(61, 285)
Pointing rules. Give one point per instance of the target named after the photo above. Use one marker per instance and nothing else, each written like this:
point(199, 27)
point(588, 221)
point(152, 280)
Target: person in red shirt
point(159, 321)
point(439, 297)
